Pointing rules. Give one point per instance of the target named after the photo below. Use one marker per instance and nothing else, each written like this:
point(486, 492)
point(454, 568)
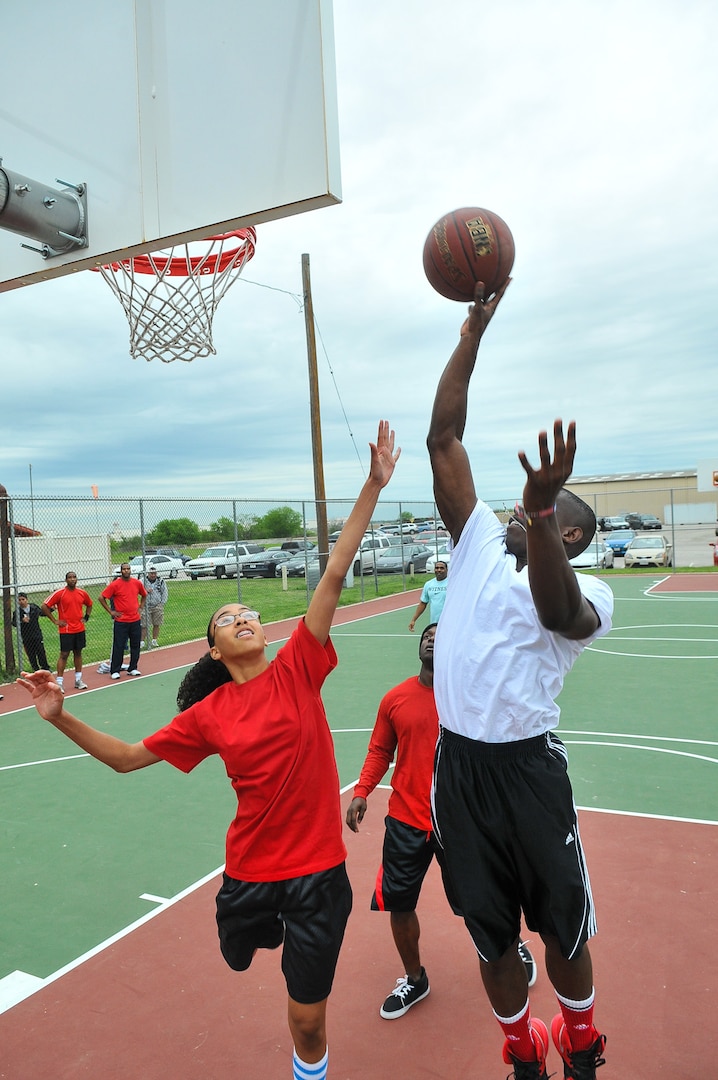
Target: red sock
point(578, 1018)
point(518, 1035)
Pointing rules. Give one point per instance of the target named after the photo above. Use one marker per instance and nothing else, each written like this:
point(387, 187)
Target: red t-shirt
point(70, 604)
point(407, 720)
point(273, 737)
point(126, 595)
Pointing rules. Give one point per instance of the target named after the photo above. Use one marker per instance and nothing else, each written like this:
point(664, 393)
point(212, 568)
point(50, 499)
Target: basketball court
point(110, 964)
point(110, 921)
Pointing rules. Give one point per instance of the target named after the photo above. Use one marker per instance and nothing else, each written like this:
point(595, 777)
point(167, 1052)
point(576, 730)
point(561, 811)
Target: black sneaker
point(404, 995)
point(529, 962)
point(577, 1064)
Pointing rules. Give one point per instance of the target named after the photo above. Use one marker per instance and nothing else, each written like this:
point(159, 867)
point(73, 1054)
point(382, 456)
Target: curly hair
point(204, 677)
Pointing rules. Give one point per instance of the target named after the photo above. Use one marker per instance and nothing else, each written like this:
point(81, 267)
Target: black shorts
point(73, 642)
point(309, 914)
point(505, 816)
point(406, 857)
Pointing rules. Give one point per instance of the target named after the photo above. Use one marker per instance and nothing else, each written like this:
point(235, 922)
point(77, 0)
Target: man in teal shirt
point(432, 595)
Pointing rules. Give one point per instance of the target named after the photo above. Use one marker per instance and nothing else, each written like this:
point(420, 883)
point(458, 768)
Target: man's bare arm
point(453, 481)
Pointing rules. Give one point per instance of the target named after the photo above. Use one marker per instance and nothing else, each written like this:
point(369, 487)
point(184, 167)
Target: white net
point(170, 296)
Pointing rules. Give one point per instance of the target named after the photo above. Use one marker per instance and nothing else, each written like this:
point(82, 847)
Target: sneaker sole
point(403, 1011)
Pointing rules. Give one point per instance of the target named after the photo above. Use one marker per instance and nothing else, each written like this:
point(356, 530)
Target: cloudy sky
point(591, 128)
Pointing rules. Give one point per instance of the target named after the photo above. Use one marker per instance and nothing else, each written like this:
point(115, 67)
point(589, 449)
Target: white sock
point(59, 680)
point(303, 1071)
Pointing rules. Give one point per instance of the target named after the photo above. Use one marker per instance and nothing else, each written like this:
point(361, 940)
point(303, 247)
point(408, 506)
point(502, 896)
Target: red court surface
point(687, 583)
point(160, 1003)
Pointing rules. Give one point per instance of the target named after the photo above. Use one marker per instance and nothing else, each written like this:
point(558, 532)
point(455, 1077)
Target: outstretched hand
point(383, 457)
point(543, 484)
point(482, 311)
point(47, 696)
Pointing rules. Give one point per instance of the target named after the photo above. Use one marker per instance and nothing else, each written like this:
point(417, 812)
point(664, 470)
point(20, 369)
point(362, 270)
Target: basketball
point(467, 246)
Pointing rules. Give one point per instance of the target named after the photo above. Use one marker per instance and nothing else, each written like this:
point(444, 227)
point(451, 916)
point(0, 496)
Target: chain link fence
point(43, 538)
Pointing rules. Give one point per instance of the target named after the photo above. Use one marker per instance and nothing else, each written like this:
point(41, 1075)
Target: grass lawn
point(191, 603)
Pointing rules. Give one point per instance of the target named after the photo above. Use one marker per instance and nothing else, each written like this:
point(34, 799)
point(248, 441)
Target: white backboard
point(183, 118)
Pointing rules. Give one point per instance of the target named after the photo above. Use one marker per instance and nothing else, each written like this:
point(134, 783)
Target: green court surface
point(86, 853)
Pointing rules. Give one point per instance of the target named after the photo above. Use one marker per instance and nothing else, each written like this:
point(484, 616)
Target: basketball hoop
point(170, 315)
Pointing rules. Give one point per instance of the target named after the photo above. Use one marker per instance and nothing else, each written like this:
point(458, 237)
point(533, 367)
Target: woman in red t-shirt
point(285, 881)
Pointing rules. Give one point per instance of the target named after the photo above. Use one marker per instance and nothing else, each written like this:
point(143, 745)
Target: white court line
point(31, 985)
point(44, 761)
point(645, 749)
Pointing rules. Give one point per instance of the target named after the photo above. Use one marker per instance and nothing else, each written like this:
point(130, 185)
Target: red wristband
point(529, 516)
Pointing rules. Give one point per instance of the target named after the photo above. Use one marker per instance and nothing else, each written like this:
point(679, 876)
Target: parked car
point(650, 521)
point(172, 552)
point(299, 564)
point(370, 547)
point(263, 563)
point(597, 556)
point(619, 540)
point(298, 545)
point(371, 544)
point(165, 566)
point(610, 524)
point(442, 555)
point(649, 551)
point(394, 560)
point(220, 560)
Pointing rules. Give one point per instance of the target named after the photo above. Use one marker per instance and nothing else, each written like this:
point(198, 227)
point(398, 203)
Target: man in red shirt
point(127, 596)
point(71, 621)
point(407, 724)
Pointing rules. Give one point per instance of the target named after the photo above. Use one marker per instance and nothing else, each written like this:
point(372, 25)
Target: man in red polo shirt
point(127, 596)
point(73, 610)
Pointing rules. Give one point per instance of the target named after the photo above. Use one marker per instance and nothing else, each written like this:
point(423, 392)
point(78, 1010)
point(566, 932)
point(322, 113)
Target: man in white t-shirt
point(515, 619)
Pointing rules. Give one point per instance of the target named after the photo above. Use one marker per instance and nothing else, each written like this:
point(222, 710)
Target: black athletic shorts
point(73, 642)
point(309, 914)
point(406, 857)
point(505, 816)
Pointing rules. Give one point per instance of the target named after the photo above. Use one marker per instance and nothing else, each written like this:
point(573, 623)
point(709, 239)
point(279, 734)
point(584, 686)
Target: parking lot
point(691, 545)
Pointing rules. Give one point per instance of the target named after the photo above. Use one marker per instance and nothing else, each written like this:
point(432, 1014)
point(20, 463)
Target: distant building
point(673, 496)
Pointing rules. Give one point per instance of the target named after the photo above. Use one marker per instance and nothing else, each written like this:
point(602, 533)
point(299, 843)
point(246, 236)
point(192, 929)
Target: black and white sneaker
point(404, 995)
point(529, 962)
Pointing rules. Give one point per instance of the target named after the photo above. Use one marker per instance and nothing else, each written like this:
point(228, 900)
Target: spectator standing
point(153, 613)
point(407, 727)
point(127, 596)
point(433, 595)
point(27, 617)
point(73, 610)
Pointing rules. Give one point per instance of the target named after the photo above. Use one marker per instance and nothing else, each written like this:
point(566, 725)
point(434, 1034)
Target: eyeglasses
point(227, 620)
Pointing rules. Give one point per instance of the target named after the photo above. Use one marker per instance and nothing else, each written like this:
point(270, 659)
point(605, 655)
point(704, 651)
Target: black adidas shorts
point(309, 914)
point(406, 857)
point(505, 816)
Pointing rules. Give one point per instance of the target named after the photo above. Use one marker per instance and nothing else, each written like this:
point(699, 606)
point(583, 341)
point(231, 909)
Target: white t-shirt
point(497, 670)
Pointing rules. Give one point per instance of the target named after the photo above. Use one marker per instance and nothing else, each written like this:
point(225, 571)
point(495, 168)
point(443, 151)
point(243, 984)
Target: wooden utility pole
point(317, 457)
